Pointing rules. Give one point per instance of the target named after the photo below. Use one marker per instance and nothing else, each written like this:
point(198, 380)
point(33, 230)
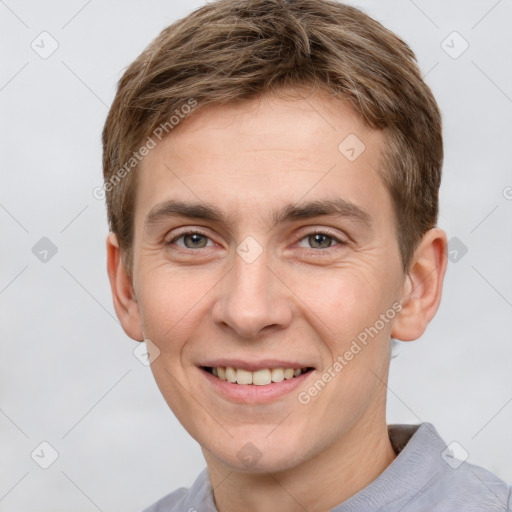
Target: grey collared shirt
point(424, 477)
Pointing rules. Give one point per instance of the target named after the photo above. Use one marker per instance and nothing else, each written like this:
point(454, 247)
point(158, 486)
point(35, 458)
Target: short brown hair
point(231, 50)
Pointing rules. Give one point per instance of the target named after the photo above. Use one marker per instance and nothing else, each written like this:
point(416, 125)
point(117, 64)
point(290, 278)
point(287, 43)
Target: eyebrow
point(201, 211)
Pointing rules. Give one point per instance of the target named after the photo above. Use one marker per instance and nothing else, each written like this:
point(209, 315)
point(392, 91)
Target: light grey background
point(68, 373)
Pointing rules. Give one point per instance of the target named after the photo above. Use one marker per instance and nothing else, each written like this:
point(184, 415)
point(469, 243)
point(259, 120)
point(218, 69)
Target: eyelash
point(329, 235)
point(310, 251)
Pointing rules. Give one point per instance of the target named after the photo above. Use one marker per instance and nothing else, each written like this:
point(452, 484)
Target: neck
point(321, 483)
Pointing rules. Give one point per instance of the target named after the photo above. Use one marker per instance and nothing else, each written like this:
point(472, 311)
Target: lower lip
point(251, 393)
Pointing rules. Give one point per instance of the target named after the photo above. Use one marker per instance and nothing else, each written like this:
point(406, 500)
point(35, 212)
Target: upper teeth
point(259, 377)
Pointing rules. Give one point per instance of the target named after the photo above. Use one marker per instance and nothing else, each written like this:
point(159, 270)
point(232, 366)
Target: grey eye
point(324, 241)
point(192, 240)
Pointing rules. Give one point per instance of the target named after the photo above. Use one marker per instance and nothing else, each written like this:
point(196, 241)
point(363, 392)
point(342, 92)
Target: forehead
point(311, 127)
point(264, 152)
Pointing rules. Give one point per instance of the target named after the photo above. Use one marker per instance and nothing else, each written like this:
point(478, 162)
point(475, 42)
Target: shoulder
point(197, 498)
point(427, 476)
point(449, 483)
point(172, 502)
point(470, 488)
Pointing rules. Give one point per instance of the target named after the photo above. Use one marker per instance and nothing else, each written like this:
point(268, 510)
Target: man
point(272, 171)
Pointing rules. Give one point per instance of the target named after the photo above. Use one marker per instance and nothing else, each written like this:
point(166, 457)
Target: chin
point(264, 465)
point(248, 455)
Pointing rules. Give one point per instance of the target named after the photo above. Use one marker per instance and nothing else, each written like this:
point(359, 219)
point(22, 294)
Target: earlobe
point(125, 302)
point(422, 287)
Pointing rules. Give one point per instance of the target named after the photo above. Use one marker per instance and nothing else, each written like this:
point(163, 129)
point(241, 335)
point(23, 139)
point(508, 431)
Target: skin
point(297, 299)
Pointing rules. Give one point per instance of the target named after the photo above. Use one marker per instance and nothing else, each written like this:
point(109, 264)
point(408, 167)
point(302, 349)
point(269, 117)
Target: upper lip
point(253, 366)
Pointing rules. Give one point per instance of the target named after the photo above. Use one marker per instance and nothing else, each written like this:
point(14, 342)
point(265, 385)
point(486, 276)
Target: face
point(281, 254)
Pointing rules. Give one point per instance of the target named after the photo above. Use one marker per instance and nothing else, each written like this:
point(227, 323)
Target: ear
point(123, 295)
point(423, 287)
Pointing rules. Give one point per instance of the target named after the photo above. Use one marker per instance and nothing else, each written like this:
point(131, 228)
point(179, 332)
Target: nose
point(253, 299)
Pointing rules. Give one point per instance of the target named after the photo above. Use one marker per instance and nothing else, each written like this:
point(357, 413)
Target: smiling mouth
point(261, 377)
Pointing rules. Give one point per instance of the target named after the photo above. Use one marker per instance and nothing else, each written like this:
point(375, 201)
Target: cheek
point(171, 310)
point(345, 312)
point(342, 302)
point(170, 306)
